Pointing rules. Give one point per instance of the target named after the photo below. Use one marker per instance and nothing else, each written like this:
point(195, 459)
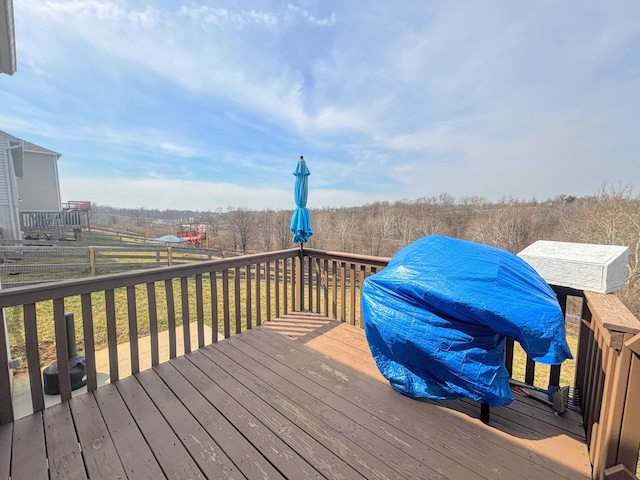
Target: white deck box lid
point(583, 266)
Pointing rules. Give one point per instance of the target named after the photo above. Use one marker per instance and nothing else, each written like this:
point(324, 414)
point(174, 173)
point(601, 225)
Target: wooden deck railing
point(256, 288)
point(250, 289)
point(35, 221)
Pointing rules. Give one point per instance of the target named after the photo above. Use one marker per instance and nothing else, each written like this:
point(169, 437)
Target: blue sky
point(208, 104)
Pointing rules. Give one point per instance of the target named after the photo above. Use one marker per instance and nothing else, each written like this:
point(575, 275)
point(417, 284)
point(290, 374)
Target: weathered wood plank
point(395, 452)
point(619, 472)
point(360, 451)
point(29, 455)
point(135, 455)
point(211, 459)
point(65, 459)
point(226, 419)
point(6, 432)
point(295, 437)
point(98, 450)
point(612, 313)
point(171, 455)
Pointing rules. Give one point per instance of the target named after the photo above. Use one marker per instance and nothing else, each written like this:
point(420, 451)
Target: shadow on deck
point(299, 397)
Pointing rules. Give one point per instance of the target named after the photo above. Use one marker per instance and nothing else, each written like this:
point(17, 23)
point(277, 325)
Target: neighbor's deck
point(299, 397)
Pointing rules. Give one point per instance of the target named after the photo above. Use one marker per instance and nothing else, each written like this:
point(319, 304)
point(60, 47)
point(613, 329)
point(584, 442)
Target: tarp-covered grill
point(436, 319)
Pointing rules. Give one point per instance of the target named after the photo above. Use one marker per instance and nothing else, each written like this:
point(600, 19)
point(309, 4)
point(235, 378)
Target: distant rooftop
point(28, 146)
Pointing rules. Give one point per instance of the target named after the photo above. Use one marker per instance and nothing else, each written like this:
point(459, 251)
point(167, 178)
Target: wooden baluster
point(267, 273)
point(186, 315)
point(213, 280)
point(153, 323)
point(277, 282)
point(226, 320)
point(171, 317)
point(247, 288)
point(33, 356)
point(133, 329)
point(89, 345)
point(200, 310)
point(238, 313)
point(258, 294)
point(112, 336)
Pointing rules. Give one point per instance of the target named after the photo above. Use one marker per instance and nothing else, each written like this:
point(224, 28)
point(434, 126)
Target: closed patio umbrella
point(300, 220)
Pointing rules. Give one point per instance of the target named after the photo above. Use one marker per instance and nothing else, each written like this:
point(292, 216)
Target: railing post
point(612, 397)
point(629, 444)
point(92, 261)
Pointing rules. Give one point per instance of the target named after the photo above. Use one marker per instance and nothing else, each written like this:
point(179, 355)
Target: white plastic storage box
point(583, 266)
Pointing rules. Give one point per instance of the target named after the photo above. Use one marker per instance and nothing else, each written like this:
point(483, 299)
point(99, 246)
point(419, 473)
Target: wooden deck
point(299, 397)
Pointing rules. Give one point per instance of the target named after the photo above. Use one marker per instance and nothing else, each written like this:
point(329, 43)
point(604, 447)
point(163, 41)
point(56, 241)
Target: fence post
point(92, 261)
point(169, 256)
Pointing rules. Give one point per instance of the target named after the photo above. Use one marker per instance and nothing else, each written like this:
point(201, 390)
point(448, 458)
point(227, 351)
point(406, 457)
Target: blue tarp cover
point(437, 316)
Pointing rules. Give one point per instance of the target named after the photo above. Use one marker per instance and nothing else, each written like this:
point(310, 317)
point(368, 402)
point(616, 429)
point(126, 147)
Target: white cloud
point(162, 193)
point(399, 99)
point(312, 19)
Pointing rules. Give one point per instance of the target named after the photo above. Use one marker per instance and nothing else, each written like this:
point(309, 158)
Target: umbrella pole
point(301, 289)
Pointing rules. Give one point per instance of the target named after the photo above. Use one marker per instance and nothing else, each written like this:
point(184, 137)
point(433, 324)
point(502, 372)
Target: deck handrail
point(239, 282)
point(329, 283)
point(49, 220)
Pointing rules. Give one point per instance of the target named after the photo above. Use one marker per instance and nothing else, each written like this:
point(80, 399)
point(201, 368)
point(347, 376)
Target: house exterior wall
point(38, 187)
point(9, 220)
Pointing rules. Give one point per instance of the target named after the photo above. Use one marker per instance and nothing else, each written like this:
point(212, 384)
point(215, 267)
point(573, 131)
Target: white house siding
point(9, 220)
point(38, 186)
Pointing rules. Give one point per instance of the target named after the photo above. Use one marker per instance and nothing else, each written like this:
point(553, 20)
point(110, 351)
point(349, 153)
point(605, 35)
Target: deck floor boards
point(299, 397)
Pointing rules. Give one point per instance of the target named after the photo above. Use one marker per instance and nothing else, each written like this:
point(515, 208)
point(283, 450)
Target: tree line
point(610, 216)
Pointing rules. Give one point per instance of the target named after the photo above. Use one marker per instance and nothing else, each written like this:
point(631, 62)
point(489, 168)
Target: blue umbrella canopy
point(301, 221)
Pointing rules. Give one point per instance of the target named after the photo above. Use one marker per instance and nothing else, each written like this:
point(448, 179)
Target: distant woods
point(611, 216)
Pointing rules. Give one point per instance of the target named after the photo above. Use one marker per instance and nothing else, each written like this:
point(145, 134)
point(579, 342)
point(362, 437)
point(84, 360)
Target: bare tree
point(240, 222)
point(511, 226)
point(282, 232)
point(406, 228)
point(265, 231)
point(612, 217)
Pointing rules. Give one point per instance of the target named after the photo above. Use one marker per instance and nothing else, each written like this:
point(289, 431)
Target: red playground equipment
point(196, 234)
